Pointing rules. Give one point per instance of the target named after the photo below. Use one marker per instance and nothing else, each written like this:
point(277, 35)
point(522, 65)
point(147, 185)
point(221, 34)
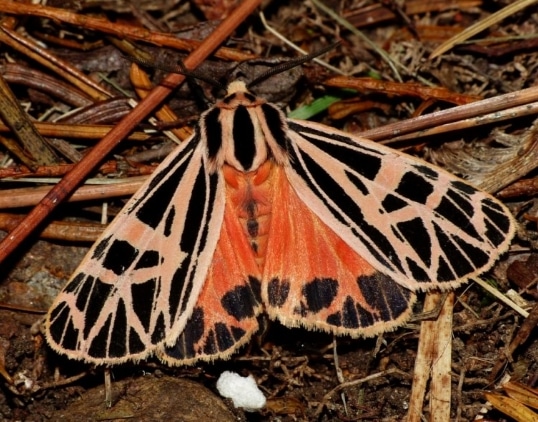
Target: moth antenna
point(291, 64)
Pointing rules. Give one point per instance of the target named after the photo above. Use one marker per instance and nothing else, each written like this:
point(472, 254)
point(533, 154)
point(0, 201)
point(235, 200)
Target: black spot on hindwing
point(256, 287)
point(277, 292)
point(384, 301)
point(348, 316)
point(195, 327)
point(210, 345)
point(224, 337)
point(319, 293)
point(239, 302)
point(384, 295)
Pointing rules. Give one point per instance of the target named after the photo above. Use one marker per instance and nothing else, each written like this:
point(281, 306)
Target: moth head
point(235, 87)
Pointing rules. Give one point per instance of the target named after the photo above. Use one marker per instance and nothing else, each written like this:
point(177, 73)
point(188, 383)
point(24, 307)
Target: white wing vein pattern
point(418, 224)
point(135, 294)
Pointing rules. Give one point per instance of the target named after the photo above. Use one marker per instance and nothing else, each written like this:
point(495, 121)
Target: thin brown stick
point(58, 230)
point(476, 109)
point(433, 357)
point(19, 308)
point(25, 197)
point(84, 131)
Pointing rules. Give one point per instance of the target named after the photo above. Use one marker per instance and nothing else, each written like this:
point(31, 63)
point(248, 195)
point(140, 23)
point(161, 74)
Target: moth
point(259, 213)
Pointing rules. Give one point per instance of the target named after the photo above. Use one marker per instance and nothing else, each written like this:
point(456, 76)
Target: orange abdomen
point(250, 195)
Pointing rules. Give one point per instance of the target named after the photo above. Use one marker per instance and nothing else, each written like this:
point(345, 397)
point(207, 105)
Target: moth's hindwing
point(314, 279)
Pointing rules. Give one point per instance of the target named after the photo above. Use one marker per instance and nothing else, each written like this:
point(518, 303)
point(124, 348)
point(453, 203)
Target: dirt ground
point(296, 369)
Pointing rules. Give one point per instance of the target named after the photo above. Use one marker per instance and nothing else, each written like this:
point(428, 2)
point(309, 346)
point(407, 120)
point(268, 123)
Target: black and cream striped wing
point(138, 285)
point(416, 223)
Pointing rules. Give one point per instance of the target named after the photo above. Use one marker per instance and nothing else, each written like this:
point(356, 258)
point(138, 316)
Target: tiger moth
point(259, 213)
